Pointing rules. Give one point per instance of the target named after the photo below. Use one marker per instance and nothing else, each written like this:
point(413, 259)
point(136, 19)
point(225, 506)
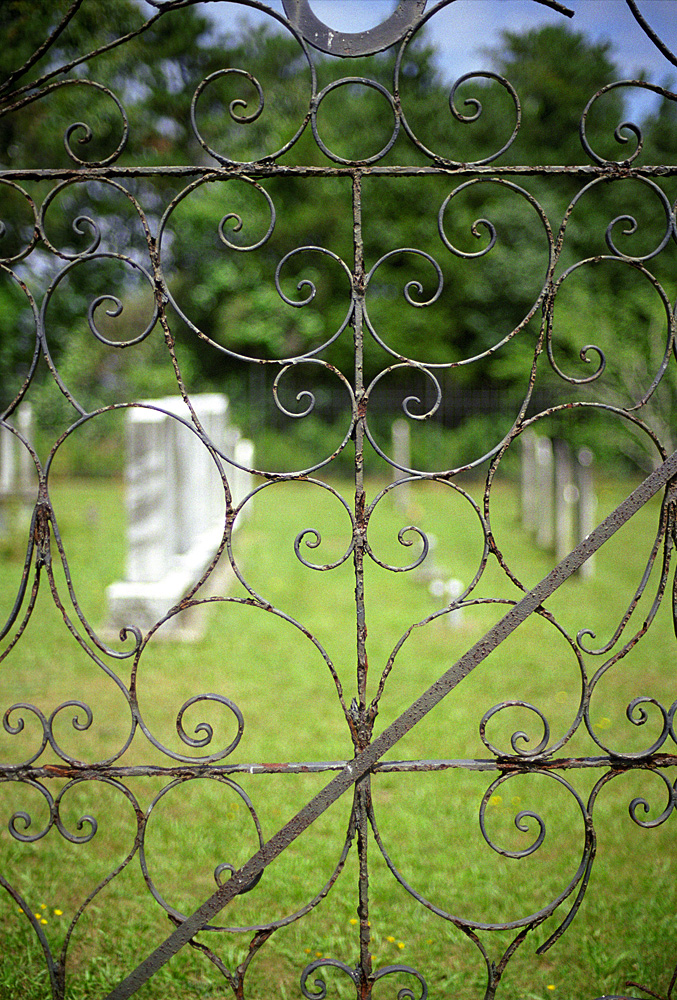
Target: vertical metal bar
point(362, 801)
point(362, 723)
point(360, 504)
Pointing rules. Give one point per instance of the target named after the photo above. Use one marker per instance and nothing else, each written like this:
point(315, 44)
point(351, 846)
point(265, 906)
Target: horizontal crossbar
point(76, 772)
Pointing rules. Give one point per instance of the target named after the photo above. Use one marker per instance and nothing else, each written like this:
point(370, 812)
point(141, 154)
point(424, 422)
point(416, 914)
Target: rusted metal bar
point(365, 761)
point(270, 169)
point(500, 764)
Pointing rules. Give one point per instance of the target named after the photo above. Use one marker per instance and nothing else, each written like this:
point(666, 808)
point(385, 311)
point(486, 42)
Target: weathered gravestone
point(17, 471)
point(176, 508)
point(558, 495)
point(545, 493)
point(402, 457)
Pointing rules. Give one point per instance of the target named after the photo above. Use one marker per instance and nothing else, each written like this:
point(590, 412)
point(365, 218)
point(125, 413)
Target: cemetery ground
point(428, 822)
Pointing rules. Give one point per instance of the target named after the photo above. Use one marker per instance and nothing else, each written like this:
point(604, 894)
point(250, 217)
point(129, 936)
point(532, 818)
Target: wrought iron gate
point(52, 771)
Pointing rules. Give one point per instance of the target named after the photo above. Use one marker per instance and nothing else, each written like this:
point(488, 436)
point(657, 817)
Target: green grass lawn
point(281, 681)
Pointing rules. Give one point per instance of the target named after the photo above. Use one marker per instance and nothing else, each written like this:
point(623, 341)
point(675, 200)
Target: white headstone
point(566, 500)
point(587, 505)
point(529, 480)
point(401, 435)
point(176, 503)
point(545, 535)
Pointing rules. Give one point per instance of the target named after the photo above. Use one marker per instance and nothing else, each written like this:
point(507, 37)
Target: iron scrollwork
point(245, 224)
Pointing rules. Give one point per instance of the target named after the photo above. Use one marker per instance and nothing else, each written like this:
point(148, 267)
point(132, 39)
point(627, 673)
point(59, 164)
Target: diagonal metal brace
point(356, 769)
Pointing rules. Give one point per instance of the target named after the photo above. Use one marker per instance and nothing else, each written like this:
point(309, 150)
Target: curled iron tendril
point(640, 803)
point(240, 119)
point(414, 284)
point(403, 540)
point(80, 226)
point(26, 821)
point(630, 221)
point(303, 394)
point(205, 727)
point(81, 725)
point(86, 133)
point(312, 539)
point(464, 119)
point(86, 821)
point(14, 728)
point(474, 102)
point(521, 824)
point(117, 306)
point(475, 229)
point(409, 400)
point(519, 737)
point(305, 283)
point(637, 716)
point(320, 991)
point(584, 356)
point(626, 126)
point(238, 223)
point(486, 224)
point(236, 114)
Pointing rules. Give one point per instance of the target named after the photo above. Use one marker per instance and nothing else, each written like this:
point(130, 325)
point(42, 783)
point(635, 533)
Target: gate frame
point(308, 30)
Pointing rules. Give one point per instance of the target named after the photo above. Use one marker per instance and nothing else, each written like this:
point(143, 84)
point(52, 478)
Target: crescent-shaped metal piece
point(359, 43)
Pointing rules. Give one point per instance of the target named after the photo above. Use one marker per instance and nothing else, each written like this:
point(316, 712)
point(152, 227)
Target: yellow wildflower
point(58, 913)
point(400, 944)
point(353, 920)
point(391, 939)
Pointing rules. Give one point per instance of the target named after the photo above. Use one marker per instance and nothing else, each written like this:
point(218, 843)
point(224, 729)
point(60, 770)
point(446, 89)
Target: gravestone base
point(142, 603)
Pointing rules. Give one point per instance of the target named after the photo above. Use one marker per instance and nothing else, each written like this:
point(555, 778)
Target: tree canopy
point(248, 95)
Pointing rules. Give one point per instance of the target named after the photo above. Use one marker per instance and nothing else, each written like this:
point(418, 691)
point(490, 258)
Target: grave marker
point(401, 434)
point(17, 471)
point(176, 507)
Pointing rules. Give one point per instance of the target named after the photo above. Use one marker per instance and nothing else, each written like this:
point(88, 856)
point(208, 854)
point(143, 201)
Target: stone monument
point(176, 507)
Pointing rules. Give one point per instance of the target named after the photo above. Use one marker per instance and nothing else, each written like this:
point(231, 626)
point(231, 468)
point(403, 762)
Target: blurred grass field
point(428, 822)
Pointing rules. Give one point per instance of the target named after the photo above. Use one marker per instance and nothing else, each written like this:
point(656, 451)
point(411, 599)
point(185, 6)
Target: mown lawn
point(281, 682)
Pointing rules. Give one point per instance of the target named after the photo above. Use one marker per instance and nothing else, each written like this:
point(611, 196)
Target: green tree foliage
point(485, 322)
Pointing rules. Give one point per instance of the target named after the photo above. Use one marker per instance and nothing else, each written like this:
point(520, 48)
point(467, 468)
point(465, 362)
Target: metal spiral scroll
point(40, 263)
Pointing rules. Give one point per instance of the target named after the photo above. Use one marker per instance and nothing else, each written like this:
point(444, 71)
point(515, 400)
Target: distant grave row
point(559, 503)
point(558, 499)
